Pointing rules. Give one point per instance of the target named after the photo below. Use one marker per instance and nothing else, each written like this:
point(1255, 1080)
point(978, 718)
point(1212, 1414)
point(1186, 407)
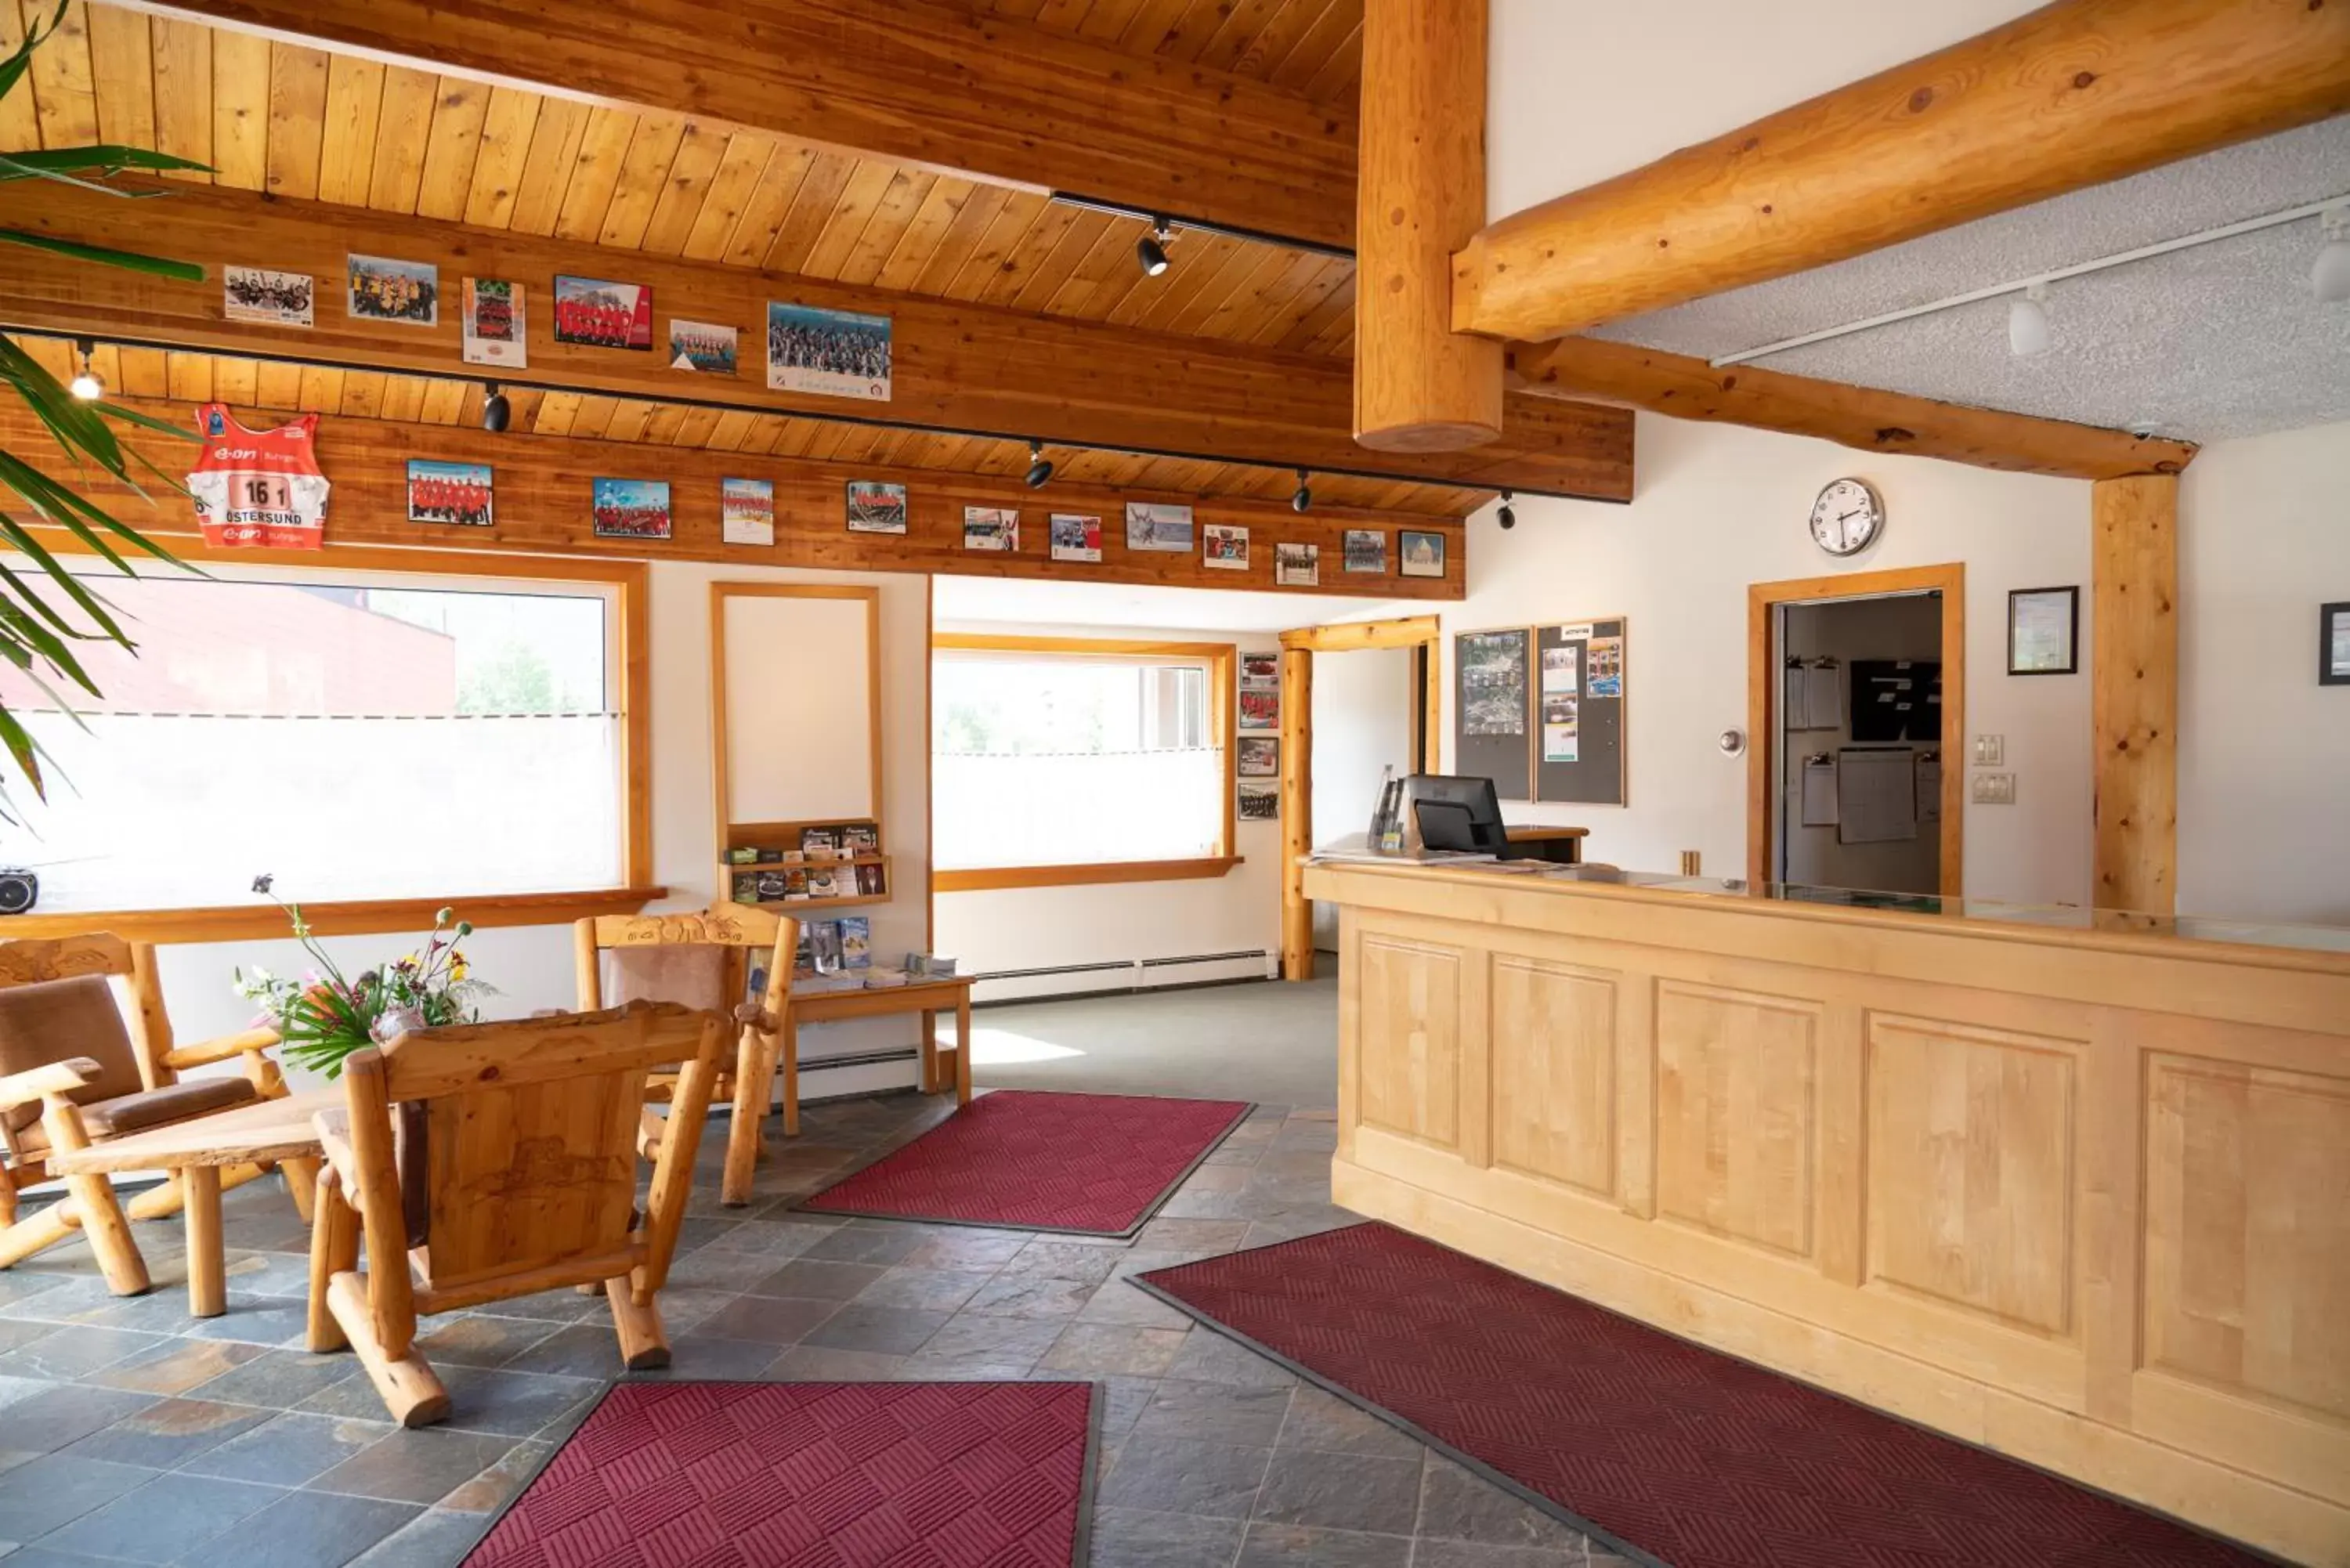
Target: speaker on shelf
point(19, 890)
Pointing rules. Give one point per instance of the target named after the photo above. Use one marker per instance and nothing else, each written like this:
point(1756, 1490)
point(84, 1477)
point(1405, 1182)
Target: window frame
point(1222, 660)
point(364, 917)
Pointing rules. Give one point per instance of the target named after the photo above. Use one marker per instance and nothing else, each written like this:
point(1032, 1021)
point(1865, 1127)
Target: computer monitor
point(1460, 814)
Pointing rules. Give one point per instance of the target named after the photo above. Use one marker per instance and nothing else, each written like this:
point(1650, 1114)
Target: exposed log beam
point(966, 368)
point(2134, 693)
point(907, 79)
point(541, 504)
point(1419, 385)
point(2074, 94)
point(1862, 417)
point(1355, 636)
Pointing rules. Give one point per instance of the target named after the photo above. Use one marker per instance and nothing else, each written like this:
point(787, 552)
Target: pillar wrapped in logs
point(1420, 196)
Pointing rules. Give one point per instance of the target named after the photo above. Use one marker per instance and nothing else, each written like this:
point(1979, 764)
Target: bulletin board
point(1577, 739)
point(1493, 709)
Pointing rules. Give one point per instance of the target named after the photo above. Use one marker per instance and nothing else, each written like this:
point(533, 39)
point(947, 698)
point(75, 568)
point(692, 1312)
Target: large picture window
point(1069, 760)
point(370, 736)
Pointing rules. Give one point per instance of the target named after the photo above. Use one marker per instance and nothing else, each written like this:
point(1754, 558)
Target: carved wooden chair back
point(530, 1177)
point(703, 959)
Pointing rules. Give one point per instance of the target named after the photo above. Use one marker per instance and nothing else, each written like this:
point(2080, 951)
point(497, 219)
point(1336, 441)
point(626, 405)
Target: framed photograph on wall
point(1260, 757)
point(2333, 644)
point(1420, 554)
point(2044, 631)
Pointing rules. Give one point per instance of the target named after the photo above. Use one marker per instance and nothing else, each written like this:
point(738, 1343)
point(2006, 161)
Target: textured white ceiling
point(2218, 341)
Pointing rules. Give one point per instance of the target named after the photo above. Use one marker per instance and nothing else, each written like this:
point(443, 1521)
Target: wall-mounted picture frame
point(458, 494)
point(876, 506)
point(1260, 757)
point(2044, 631)
point(2333, 644)
point(631, 509)
point(1419, 554)
point(598, 313)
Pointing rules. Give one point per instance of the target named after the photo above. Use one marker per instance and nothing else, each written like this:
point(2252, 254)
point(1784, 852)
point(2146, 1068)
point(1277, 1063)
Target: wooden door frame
point(1298, 648)
point(1764, 690)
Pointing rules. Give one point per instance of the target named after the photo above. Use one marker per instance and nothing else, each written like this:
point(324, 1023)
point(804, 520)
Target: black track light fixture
point(1151, 250)
point(1508, 514)
point(85, 387)
point(1040, 467)
point(497, 412)
point(1302, 498)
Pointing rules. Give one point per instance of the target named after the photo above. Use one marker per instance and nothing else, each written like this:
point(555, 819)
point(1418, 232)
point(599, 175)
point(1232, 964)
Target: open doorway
point(1857, 691)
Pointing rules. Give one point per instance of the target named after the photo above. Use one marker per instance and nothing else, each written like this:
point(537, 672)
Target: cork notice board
point(1493, 709)
point(1578, 722)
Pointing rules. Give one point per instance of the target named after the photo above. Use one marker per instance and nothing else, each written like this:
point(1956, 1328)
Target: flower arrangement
point(325, 1016)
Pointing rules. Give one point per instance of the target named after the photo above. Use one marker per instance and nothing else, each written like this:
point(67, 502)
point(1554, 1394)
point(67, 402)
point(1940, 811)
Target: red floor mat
point(1098, 1165)
point(718, 1475)
point(1693, 1458)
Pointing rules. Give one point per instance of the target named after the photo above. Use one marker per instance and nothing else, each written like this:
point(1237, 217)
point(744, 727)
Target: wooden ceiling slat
point(403, 398)
point(628, 419)
point(1331, 31)
point(769, 432)
point(1021, 212)
point(694, 429)
point(346, 147)
point(941, 207)
point(644, 172)
point(1155, 23)
point(123, 72)
point(445, 182)
point(1243, 21)
point(555, 143)
point(183, 92)
point(276, 384)
point(793, 440)
point(1002, 285)
point(241, 110)
point(770, 205)
point(321, 388)
point(979, 210)
point(868, 183)
point(557, 412)
point(1197, 262)
point(1051, 270)
point(362, 394)
point(235, 381)
point(63, 93)
point(733, 185)
point(403, 129)
point(591, 175)
point(1250, 267)
point(1308, 302)
point(297, 118)
point(593, 418)
point(698, 153)
point(731, 430)
point(1063, 16)
point(1017, 10)
point(1108, 274)
point(20, 120)
point(1106, 21)
point(661, 426)
point(1268, 298)
point(1339, 305)
point(444, 404)
point(144, 373)
point(820, 189)
point(508, 126)
point(1339, 74)
point(909, 192)
point(1272, 42)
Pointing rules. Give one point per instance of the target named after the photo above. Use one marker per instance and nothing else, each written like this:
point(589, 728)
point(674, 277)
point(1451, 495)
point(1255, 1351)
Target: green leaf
point(131, 261)
point(106, 156)
point(22, 748)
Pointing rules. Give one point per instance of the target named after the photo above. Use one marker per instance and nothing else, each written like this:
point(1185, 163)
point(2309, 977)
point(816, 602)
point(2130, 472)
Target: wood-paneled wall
point(2083, 1198)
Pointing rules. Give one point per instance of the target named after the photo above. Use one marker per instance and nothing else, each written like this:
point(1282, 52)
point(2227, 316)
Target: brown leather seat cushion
point(127, 1114)
point(58, 1019)
point(690, 974)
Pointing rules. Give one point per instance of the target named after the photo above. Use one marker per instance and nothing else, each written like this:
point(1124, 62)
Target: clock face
point(1846, 517)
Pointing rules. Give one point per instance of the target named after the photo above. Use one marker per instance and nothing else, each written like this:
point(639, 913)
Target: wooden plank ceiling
point(297, 121)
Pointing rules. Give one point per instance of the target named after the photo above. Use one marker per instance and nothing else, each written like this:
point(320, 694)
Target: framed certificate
point(2044, 631)
point(2333, 644)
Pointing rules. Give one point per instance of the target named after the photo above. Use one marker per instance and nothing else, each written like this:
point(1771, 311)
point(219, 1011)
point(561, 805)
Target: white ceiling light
point(2329, 275)
point(2027, 323)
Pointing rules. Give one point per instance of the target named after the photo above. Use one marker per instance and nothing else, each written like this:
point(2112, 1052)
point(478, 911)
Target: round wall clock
point(1847, 517)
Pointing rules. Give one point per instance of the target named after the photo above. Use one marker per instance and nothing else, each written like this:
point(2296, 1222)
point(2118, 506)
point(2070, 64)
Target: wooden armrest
point(205, 1052)
point(752, 1015)
point(38, 1082)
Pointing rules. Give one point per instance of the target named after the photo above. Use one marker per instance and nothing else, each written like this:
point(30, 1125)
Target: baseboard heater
point(1139, 970)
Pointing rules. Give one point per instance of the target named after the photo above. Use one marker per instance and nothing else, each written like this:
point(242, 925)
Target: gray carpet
point(1265, 1041)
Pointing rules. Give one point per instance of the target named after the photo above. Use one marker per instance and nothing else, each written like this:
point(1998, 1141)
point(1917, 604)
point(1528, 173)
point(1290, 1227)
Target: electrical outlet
point(1692, 862)
point(1991, 750)
point(1994, 789)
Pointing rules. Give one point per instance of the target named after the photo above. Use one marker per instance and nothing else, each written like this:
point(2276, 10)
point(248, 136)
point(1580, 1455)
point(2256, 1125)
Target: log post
point(1297, 812)
point(1421, 195)
point(2134, 687)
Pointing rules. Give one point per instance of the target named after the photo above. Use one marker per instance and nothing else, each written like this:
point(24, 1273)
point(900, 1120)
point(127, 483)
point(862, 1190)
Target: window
point(365, 736)
point(1064, 759)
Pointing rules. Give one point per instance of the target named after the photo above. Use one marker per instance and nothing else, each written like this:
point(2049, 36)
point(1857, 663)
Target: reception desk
point(2079, 1195)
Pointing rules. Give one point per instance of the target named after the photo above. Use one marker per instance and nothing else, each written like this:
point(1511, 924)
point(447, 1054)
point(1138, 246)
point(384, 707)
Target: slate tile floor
point(131, 1433)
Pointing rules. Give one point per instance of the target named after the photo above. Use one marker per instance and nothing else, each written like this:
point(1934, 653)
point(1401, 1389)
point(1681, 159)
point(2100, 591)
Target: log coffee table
point(269, 1131)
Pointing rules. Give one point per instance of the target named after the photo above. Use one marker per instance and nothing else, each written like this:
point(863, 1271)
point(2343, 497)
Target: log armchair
point(704, 959)
point(513, 1170)
point(75, 1071)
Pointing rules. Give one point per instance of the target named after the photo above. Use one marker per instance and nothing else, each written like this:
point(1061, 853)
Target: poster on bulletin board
point(1580, 702)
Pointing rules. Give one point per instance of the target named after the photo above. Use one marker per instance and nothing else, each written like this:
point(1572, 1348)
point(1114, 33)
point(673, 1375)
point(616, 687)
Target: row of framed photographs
point(832, 353)
point(463, 494)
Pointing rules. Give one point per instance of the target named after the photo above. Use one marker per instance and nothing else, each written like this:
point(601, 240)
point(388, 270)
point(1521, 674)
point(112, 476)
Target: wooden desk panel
point(928, 997)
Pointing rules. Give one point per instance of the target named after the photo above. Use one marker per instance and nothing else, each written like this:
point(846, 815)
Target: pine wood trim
point(362, 917)
point(1764, 694)
point(986, 878)
point(1349, 637)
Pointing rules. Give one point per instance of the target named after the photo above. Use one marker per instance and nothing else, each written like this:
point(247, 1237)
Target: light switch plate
point(1994, 789)
point(1991, 750)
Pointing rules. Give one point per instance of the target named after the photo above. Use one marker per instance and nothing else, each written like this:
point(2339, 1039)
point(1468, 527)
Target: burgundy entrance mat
point(1670, 1452)
point(1096, 1165)
point(746, 1475)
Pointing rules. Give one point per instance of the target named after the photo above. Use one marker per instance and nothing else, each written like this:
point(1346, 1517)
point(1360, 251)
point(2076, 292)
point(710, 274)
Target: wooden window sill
point(992, 877)
point(259, 921)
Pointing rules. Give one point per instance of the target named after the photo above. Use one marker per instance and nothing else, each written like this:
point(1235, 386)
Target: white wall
point(1002, 929)
point(1720, 508)
point(2264, 750)
point(1362, 722)
point(532, 966)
